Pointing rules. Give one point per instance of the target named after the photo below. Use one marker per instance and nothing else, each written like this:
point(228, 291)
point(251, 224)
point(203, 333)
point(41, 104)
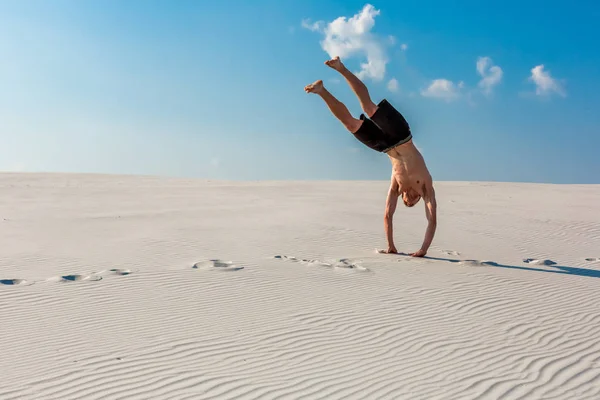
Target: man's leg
point(357, 86)
point(336, 107)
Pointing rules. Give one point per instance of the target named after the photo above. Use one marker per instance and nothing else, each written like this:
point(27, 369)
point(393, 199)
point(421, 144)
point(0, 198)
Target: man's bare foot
point(315, 87)
point(335, 63)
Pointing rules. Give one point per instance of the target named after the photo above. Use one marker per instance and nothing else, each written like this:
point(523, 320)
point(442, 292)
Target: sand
point(128, 287)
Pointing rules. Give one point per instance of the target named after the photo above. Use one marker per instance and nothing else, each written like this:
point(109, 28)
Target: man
point(385, 130)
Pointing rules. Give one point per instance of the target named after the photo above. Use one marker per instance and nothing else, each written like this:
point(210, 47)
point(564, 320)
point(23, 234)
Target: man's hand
point(420, 253)
point(391, 250)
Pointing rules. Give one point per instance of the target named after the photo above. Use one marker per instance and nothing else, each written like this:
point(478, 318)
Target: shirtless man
point(385, 130)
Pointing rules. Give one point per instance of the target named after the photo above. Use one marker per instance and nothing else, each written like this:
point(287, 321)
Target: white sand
point(338, 322)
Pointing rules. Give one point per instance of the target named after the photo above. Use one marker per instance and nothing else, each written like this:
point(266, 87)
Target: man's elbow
point(388, 215)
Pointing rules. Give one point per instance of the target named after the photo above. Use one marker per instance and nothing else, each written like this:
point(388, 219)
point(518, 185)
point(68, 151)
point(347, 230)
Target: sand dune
point(124, 287)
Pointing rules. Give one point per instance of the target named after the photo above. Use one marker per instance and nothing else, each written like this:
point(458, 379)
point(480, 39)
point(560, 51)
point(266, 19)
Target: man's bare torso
point(409, 169)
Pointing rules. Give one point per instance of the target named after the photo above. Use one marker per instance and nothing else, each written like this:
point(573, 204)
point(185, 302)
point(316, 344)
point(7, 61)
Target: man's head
point(410, 197)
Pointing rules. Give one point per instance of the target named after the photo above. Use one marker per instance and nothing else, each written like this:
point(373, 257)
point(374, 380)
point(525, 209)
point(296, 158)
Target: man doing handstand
point(385, 130)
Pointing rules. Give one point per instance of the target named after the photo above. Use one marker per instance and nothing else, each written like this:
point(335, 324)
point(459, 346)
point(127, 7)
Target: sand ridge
point(125, 287)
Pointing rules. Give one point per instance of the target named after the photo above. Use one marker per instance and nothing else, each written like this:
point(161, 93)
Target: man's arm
point(431, 214)
point(390, 208)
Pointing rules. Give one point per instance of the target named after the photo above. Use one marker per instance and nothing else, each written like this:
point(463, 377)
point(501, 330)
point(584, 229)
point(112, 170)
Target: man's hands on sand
point(392, 250)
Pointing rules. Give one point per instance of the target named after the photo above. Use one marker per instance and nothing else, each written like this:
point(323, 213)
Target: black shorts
point(385, 130)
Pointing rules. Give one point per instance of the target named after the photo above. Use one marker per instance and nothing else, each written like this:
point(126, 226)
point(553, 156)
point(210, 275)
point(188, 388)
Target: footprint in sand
point(593, 259)
point(286, 258)
point(295, 259)
point(217, 265)
point(115, 271)
point(348, 264)
point(121, 272)
point(67, 278)
point(474, 263)
point(342, 263)
point(535, 261)
point(12, 282)
point(451, 252)
point(75, 278)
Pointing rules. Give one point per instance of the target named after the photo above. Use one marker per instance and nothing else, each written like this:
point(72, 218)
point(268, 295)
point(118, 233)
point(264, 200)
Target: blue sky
point(215, 89)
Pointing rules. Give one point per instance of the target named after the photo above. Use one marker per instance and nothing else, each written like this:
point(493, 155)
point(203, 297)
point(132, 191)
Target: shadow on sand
point(557, 269)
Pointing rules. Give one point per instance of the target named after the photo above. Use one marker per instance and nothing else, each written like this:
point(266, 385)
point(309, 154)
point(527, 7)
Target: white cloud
point(393, 85)
point(392, 39)
point(544, 82)
point(352, 37)
point(404, 46)
point(491, 75)
point(311, 26)
point(443, 89)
